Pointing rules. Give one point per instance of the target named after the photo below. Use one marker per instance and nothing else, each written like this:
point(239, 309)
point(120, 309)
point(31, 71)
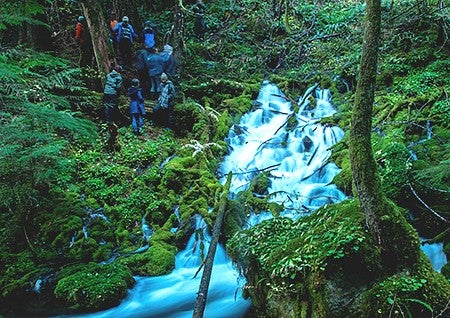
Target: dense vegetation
point(69, 203)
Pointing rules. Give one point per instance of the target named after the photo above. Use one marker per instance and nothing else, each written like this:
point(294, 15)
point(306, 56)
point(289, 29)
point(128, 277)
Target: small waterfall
point(300, 175)
point(435, 253)
point(173, 295)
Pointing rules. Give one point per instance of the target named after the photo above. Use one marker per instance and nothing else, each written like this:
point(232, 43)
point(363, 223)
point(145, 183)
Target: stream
point(294, 149)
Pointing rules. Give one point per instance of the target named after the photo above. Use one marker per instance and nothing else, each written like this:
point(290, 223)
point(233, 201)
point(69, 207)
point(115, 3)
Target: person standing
point(163, 111)
point(155, 67)
point(142, 72)
point(148, 35)
point(199, 24)
point(137, 109)
point(84, 42)
point(169, 61)
point(113, 34)
point(125, 36)
point(111, 95)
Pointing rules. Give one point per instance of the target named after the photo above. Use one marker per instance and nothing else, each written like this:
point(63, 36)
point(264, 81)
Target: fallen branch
point(426, 205)
point(200, 302)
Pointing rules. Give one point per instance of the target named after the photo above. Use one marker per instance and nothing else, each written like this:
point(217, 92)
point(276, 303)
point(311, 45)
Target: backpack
point(126, 32)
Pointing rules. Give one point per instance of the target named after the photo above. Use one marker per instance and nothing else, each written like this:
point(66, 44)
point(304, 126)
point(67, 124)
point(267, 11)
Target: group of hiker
point(154, 70)
point(162, 112)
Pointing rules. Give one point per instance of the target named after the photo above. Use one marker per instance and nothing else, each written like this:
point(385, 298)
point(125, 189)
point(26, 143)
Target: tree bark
point(178, 32)
point(98, 30)
point(398, 241)
point(365, 176)
point(202, 294)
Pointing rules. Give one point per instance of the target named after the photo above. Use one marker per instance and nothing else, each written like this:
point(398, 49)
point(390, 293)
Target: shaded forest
point(74, 203)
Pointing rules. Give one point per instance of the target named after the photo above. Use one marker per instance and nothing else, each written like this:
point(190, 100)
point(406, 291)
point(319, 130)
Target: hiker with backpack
point(111, 93)
point(84, 41)
point(155, 67)
point(113, 34)
point(148, 35)
point(163, 111)
point(137, 108)
point(125, 36)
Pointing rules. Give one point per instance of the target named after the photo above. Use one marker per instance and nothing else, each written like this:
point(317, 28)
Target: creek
point(293, 148)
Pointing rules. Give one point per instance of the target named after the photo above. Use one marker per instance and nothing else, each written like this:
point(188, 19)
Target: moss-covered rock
point(328, 265)
point(94, 286)
point(159, 259)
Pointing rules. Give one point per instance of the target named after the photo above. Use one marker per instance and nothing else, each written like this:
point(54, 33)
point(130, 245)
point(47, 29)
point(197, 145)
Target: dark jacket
point(155, 64)
point(136, 100)
point(141, 59)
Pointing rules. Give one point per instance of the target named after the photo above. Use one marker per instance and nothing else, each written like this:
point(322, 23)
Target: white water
point(173, 295)
point(435, 253)
point(297, 157)
point(300, 179)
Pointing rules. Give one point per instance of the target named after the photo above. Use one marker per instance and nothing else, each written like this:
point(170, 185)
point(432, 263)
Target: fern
point(14, 13)
point(38, 125)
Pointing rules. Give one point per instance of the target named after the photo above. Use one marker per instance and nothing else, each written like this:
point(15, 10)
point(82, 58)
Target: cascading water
point(173, 295)
point(301, 175)
point(300, 179)
point(296, 157)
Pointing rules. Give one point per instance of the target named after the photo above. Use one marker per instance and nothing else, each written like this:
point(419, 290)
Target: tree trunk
point(178, 32)
point(397, 239)
point(202, 294)
point(98, 30)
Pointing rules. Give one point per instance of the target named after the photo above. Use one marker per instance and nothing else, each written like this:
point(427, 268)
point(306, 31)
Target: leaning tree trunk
point(202, 294)
point(98, 29)
point(397, 239)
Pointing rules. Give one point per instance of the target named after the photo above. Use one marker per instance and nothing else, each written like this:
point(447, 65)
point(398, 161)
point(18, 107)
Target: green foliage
point(394, 167)
point(15, 13)
point(95, 286)
point(420, 292)
point(287, 251)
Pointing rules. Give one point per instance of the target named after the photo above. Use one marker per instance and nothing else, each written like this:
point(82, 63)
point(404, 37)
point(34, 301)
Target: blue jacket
point(119, 28)
point(136, 100)
point(148, 37)
point(113, 83)
point(155, 64)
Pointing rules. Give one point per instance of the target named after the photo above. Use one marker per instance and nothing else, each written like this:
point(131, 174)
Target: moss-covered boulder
point(159, 259)
point(328, 265)
point(94, 286)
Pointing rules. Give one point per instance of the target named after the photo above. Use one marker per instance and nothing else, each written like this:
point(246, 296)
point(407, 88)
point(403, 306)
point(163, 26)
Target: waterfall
point(173, 295)
point(300, 175)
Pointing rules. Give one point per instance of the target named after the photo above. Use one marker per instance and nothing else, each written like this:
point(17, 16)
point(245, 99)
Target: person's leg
point(153, 88)
point(128, 54)
point(140, 121)
point(134, 123)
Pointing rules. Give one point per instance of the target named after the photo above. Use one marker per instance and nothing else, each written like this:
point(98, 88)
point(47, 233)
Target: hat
point(125, 19)
point(164, 76)
point(135, 82)
point(80, 18)
point(168, 48)
point(118, 68)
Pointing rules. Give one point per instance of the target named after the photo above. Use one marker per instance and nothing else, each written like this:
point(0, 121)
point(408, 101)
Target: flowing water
point(274, 137)
point(295, 155)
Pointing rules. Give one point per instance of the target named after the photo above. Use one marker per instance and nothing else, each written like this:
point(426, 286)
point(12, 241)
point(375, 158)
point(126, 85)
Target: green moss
point(420, 292)
point(94, 286)
point(159, 259)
